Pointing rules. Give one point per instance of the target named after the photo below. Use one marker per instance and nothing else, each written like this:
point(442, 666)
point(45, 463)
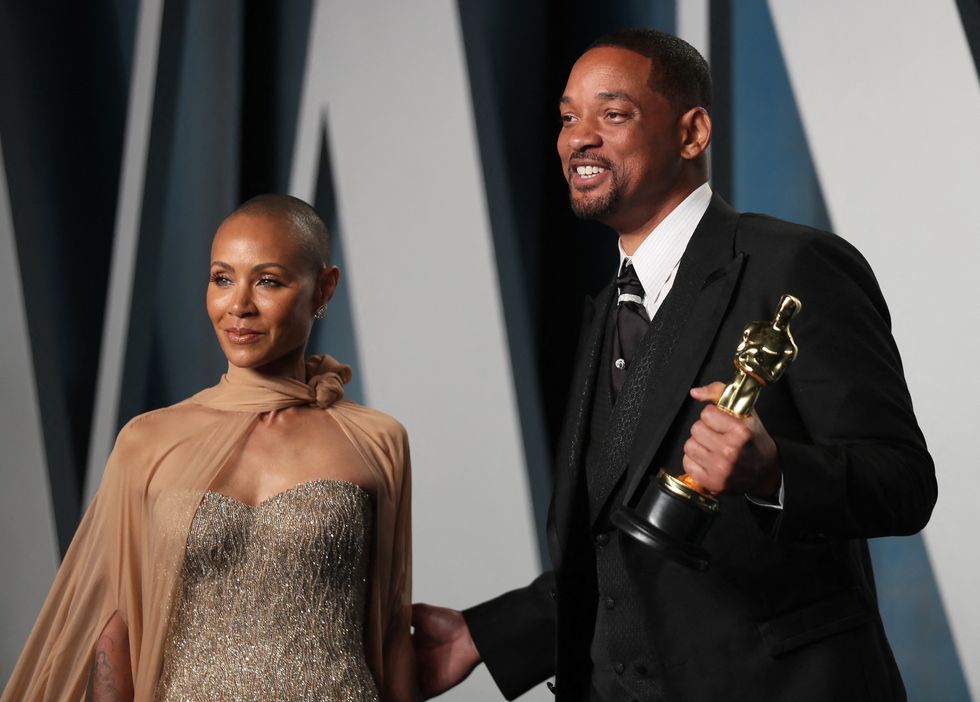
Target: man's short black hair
point(307, 225)
point(678, 71)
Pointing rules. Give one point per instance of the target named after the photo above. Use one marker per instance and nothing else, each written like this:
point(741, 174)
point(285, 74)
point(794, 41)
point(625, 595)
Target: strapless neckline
point(272, 603)
point(298, 487)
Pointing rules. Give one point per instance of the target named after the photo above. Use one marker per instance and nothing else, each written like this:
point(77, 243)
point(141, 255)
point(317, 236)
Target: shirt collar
point(660, 252)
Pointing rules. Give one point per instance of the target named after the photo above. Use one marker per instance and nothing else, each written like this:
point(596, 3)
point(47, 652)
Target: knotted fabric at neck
point(247, 390)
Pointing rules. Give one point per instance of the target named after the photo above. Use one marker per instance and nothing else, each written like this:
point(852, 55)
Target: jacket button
point(602, 539)
point(554, 593)
point(619, 668)
point(640, 668)
point(610, 603)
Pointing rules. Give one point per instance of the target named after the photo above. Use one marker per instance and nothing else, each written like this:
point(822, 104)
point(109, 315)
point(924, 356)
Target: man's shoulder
point(763, 234)
point(820, 267)
point(754, 227)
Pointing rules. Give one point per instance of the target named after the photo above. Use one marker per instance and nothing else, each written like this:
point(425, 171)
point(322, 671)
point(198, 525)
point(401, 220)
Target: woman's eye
point(269, 282)
point(220, 280)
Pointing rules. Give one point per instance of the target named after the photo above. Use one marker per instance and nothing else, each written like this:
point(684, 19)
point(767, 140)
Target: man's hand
point(730, 454)
point(444, 650)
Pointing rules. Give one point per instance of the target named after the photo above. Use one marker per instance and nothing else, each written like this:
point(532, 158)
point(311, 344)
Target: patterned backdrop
point(424, 132)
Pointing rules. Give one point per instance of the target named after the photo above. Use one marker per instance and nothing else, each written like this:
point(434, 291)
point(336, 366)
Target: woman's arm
point(111, 676)
point(400, 682)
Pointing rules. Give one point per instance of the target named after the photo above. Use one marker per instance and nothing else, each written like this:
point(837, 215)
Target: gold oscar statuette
point(674, 513)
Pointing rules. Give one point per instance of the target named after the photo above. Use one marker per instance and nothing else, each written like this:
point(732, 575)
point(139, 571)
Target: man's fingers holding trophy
point(709, 393)
point(728, 454)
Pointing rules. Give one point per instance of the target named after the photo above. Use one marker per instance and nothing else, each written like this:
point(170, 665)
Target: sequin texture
point(272, 600)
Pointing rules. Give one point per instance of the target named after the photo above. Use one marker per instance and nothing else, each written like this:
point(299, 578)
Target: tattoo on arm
point(102, 683)
point(110, 678)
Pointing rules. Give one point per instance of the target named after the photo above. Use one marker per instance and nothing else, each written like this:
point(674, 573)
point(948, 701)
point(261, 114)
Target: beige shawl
point(128, 551)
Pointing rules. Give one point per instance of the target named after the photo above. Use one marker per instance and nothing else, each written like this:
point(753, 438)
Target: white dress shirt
point(658, 257)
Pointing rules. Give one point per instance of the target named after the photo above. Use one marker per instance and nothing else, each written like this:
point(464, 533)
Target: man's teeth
point(589, 171)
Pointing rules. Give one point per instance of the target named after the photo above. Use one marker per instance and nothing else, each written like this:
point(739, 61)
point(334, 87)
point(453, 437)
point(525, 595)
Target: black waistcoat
point(620, 666)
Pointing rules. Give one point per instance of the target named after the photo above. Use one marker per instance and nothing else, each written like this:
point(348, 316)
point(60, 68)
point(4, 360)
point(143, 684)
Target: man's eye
point(567, 119)
point(616, 116)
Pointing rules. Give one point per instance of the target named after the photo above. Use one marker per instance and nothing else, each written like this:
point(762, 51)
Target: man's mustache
point(593, 159)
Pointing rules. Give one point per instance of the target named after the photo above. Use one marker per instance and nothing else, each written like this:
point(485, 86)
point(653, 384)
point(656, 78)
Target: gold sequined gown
point(272, 600)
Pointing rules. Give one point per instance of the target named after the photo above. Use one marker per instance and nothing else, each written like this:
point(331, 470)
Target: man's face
point(619, 142)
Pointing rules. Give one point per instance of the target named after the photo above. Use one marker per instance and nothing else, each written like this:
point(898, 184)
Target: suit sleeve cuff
point(777, 503)
point(515, 636)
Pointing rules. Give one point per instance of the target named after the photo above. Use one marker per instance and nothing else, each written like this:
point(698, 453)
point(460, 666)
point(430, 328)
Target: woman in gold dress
point(253, 541)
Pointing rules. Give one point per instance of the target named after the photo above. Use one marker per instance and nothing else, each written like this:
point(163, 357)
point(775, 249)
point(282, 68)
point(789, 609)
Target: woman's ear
point(326, 284)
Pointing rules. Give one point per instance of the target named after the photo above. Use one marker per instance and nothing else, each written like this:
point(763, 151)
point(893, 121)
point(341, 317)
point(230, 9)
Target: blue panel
point(201, 188)
point(773, 171)
point(915, 620)
point(335, 334)
point(63, 97)
point(774, 174)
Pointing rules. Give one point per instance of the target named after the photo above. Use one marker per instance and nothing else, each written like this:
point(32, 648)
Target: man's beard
point(596, 207)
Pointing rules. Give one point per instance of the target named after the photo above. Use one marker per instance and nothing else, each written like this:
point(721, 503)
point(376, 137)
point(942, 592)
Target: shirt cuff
point(771, 504)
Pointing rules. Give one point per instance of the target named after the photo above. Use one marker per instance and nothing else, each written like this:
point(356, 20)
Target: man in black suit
point(831, 456)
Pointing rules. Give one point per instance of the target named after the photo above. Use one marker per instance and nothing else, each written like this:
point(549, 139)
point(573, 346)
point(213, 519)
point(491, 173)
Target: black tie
point(631, 323)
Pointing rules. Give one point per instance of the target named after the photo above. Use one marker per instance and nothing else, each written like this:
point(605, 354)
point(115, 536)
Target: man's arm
point(514, 634)
point(864, 470)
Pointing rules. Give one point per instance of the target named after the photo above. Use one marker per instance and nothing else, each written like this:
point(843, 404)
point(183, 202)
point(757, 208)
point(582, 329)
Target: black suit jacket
point(788, 609)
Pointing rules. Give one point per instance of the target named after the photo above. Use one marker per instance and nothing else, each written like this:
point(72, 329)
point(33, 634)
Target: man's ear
point(695, 132)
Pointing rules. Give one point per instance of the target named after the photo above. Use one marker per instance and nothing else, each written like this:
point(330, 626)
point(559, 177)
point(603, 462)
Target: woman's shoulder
point(147, 438)
point(367, 425)
point(369, 418)
point(164, 425)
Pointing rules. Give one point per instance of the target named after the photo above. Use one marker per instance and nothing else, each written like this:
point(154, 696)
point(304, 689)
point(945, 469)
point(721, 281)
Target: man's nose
point(584, 135)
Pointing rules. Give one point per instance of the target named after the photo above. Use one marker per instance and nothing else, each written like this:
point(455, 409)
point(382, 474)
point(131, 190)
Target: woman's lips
point(243, 336)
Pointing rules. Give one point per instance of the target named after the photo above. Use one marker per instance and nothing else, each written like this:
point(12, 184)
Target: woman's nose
point(242, 305)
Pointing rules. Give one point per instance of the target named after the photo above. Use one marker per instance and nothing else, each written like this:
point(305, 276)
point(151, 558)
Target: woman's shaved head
point(305, 224)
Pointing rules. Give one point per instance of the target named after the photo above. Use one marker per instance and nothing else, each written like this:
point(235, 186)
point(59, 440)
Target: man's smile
point(586, 174)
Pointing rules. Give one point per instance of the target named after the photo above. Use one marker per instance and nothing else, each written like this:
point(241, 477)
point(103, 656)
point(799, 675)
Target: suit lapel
point(670, 386)
point(673, 349)
point(572, 443)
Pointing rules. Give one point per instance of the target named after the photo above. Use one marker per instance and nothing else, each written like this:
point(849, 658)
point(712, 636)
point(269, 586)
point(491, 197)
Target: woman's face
point(264, 292)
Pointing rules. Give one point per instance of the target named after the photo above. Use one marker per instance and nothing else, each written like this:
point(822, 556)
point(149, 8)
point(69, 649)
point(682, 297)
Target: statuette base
point(673, 518)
